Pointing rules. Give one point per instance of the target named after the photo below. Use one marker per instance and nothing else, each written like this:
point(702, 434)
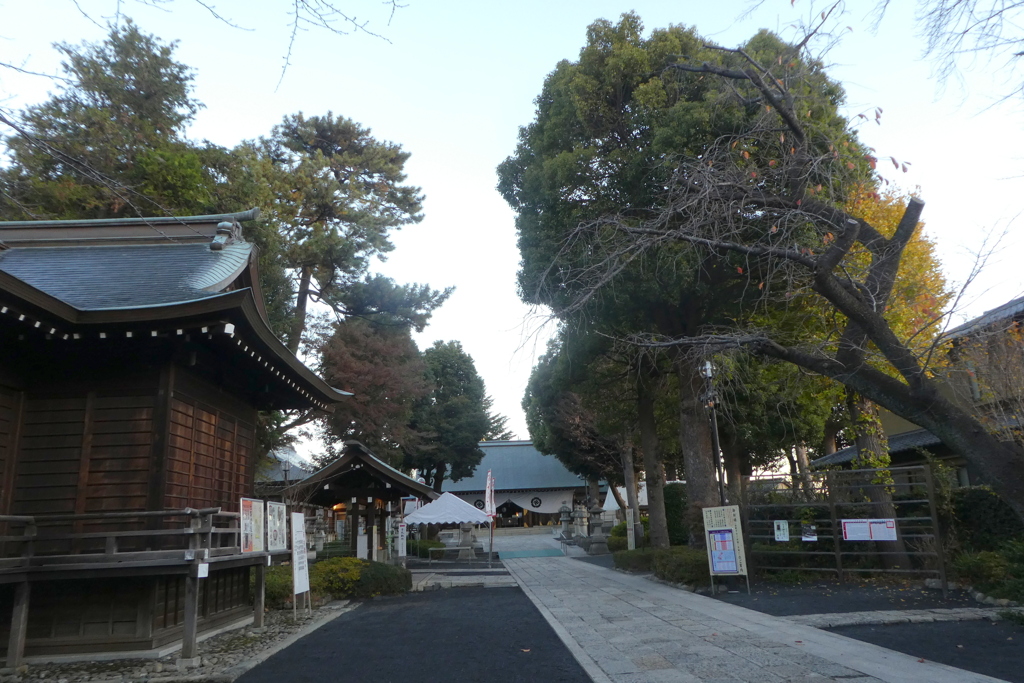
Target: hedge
point(419, 548)
point(339, 577)
point(680, 564)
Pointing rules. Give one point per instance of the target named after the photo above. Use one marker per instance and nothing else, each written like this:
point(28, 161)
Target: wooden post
point(190, 627)
point(837, 532)
point(19, 625)
point(259, 600)
point(940, 554)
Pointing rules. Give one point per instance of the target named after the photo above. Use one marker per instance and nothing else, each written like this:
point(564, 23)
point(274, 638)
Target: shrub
point(985, 570)
point(620, 528)
point(982, 520)
point(617, 543)
point(351, 577)
point(682, 565)
point(278, 586)
point(419, 548)
point(634, 560)
point(675, 513)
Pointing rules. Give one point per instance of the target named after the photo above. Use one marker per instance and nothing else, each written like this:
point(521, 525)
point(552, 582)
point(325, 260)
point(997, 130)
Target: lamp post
point(711, 398)
point(286, 467)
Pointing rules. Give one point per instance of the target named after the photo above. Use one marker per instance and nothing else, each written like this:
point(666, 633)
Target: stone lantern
point(598, 540)
point(565, 517)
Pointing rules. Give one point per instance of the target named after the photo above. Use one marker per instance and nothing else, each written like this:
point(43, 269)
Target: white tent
point(448, 509)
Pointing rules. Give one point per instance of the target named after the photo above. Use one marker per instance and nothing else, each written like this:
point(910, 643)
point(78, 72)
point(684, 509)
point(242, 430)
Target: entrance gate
point(825, 516)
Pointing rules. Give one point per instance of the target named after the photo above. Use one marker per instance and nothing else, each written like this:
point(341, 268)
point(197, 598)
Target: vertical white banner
point(630, 530)
point(402, 535)
point(300, 566)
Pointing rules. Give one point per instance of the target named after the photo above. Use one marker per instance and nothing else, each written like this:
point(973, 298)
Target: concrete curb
point(591, 668)
point(890, 617)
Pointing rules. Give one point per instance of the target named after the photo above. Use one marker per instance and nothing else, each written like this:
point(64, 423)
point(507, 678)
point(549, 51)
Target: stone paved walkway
point(628, 629)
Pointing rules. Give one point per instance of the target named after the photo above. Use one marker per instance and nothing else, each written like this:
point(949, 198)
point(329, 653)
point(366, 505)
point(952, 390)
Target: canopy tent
point(448, 509)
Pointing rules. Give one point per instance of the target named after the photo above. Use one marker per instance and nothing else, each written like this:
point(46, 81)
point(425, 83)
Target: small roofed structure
point(366, 495)
point(136, 355)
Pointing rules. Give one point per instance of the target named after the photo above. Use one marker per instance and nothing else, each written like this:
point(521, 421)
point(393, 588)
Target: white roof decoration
point(448, 509)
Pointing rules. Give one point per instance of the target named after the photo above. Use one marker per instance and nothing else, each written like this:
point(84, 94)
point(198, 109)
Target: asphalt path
point(459, 634)
point(986, 647)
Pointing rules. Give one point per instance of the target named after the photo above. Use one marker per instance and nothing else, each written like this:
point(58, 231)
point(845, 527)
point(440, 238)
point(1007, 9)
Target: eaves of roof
point(355, 451)
point(231, 309)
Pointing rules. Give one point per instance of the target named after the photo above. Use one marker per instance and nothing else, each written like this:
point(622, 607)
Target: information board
point(869, 529)
point(809, 532)
point(723, 533)
point(300, 566)
point(252, 525)
point(781, 530)
point(277, 526)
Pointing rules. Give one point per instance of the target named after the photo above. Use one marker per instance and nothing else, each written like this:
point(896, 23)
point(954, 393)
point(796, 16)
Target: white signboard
point(402, 531)
point(723, 534)
point(869, 529)
point(300, 567)
point(630, 530)
point(252, 525)
point(781, 530)
point(277, 526)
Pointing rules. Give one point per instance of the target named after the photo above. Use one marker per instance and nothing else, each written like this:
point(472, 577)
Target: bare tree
point(770, 198)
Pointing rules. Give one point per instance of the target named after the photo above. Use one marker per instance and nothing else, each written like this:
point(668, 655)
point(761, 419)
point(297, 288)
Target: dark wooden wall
point(210, 447)
point(84, 454)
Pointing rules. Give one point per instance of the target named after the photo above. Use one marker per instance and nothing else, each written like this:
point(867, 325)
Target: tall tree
point(341, 194)
point(110, 142)
point(451, 419)
point(380, 364)
point(607, 136)
point(772, 194)
point(497, 424)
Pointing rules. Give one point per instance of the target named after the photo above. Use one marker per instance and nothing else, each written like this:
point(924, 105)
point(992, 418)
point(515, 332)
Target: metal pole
point(718, 453)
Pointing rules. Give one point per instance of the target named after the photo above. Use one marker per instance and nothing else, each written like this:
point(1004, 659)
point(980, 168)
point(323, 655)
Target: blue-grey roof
point(98, 277)
point(1007, 311)
point(919, 438)
point(515, 466)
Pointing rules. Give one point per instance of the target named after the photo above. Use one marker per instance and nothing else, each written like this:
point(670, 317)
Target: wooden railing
point(44, 542)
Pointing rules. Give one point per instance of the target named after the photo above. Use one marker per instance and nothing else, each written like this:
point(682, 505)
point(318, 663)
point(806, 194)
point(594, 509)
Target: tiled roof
point(1008, 310)
point(919, 438)
point(516, 466)
point(109, 277)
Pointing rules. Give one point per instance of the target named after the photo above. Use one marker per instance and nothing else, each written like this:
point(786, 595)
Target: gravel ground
point(461, 634)
point(986, 647)
point(826, 597)
point(219, 654)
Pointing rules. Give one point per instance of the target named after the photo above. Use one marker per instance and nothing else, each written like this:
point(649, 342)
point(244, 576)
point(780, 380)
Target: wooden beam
point(19, 627)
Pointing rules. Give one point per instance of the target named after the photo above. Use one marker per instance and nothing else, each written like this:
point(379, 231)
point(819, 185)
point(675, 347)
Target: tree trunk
point(594, 493)
point(873, 452)
point(438, 478)
point(734, 476)
point(629, 475)
point(803, 465)
point(618, 499)
point(695, 445)
point(652, 463)
point(301, 298)
point(832, 429)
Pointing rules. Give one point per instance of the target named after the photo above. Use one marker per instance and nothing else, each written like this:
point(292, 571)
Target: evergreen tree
point(452, 419)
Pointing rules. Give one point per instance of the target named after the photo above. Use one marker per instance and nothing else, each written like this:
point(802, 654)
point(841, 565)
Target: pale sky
point(458, 78)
